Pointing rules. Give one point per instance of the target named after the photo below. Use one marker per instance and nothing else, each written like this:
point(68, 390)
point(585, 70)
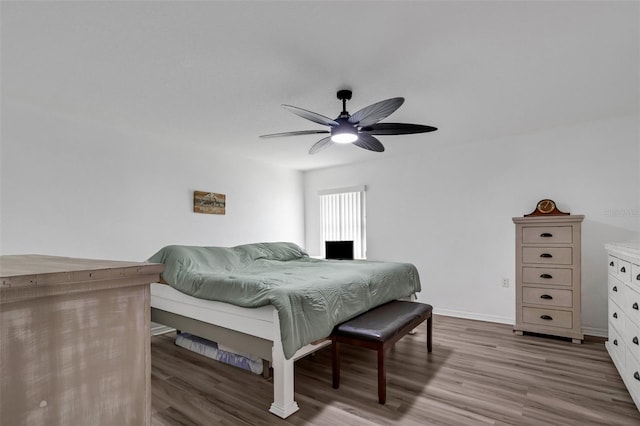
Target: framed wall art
point(209, 202)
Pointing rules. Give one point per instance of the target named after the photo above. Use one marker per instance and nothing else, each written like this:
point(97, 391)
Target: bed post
point(283, 376)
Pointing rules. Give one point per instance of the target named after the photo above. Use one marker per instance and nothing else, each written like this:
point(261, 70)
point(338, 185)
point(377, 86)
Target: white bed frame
point(252, 330)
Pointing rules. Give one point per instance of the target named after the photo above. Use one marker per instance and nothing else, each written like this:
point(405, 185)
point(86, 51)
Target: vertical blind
point(342, 218)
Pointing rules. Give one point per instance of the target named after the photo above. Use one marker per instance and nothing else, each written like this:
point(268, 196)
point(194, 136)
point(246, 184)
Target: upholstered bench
point(379, 329)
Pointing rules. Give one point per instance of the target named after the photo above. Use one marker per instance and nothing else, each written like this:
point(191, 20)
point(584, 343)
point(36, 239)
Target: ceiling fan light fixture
point(344, 132)
point(344, 137)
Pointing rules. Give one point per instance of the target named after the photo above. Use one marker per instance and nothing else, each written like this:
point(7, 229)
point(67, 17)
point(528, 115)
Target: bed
point(271, 300)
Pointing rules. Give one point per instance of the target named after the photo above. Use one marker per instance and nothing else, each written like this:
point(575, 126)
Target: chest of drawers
point(75, 341)
point(623, 281)
point(548, 256)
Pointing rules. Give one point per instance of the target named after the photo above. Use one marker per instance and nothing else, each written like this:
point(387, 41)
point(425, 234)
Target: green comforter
point(310, 295)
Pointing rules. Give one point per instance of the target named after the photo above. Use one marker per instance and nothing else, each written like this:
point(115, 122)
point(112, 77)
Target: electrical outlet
point(505, 282)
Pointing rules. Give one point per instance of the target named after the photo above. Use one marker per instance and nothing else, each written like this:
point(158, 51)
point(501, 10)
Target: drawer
point(631, 336)
point(547, 296)
point(547, 317)
point(550, 255)
point(635, 276)
point(631, 376)
point(624, 271)
point(613, 264)
point(551, 276)
point(616, 317)
point(616, 290)
point(616, 344)
point(547, 234)
point(631, 305)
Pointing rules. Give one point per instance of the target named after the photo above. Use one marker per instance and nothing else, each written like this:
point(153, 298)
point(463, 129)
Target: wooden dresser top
point(33, 275)
point(550, 218)
point(31, 264)
point(627, 248)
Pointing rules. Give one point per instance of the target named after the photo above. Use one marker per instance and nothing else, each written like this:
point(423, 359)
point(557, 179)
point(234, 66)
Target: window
point(342, 218)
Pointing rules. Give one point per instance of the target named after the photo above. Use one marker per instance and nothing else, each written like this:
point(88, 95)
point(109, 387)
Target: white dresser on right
point(624, 313)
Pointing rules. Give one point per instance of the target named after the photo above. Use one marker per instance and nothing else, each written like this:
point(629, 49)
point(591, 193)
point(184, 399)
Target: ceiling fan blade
point(375, 112)
point(320, 145)
point(315, 117)
point(369, 142)
point(298, 133)
point(396, 129)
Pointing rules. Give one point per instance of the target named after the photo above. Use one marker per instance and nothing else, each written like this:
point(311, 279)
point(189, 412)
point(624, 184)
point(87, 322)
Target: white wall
point(77, 188)
point(449, 210)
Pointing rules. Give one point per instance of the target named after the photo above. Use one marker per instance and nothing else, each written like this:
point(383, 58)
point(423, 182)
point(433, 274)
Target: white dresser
point(548, 265)
point(624, 313)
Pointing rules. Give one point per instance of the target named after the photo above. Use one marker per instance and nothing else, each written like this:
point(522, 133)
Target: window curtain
point(342, 218)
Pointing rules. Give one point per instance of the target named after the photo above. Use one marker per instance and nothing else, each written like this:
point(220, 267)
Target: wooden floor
point(479, 373)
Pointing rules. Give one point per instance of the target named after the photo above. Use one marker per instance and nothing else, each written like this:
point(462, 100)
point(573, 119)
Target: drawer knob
point(611, 263)
point(546, 297)
point(546, 317)
point(546, 235)
point(547, 255)
point(623, 270)
point(635, 340)
point(615, 288)
point(638, 277)
point(546, 276)
point(636, 376)
point(615, 315)
point(615, 342)
point(635, 306)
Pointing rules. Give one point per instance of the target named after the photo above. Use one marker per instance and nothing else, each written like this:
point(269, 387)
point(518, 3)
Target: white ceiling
point(215, 73)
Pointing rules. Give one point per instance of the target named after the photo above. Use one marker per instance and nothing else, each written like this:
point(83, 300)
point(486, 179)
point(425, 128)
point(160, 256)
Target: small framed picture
point(209, 202)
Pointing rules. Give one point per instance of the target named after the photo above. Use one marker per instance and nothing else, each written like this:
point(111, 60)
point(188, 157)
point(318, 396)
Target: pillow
point(273, 251)
point(178, 259)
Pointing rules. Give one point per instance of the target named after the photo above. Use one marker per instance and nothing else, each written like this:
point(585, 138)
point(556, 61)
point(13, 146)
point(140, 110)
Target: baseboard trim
point(473, 316)
point(597, 332)
point(157, 329)
point(587, 331)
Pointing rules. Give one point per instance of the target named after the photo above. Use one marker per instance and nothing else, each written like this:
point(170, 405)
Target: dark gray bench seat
point(379, 329)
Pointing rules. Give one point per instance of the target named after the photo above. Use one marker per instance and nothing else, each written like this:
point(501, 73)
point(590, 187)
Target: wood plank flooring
point(479, 373)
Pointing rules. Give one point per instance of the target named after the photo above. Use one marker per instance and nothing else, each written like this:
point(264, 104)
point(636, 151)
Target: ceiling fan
point(358, 129)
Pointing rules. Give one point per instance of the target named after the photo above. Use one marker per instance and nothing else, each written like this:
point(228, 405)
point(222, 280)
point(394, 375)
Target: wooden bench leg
point(429, 329)
point(413, 316)
point(382, 377)
point(335, 364)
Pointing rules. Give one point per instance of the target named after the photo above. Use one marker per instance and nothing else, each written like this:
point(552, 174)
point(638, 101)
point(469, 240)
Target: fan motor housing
point(344, 94)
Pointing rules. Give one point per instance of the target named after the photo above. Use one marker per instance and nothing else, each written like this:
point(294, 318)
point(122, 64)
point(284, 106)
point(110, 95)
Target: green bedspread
point(310, 295)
